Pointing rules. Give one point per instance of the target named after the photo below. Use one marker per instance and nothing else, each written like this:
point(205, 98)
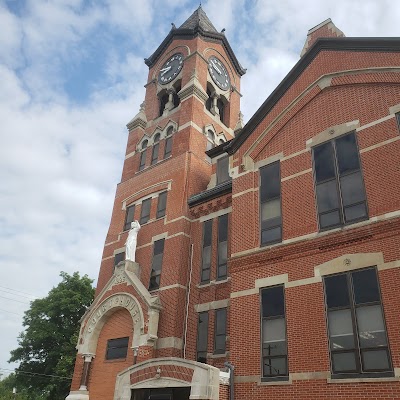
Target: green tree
point(47, 346)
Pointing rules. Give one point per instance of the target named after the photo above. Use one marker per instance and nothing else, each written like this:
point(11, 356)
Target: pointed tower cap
point(197, 20)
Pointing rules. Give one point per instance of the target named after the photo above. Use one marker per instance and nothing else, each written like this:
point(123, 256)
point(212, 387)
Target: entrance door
point(180, 393)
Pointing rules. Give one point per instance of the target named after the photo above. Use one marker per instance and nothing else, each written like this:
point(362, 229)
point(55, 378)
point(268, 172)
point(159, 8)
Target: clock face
point(170, 70)
point(218, 73)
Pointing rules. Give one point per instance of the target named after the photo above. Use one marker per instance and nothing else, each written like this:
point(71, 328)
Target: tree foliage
point(47, 346)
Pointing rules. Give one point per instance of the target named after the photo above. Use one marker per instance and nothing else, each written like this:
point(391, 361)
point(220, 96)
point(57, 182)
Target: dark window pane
point(117, 348)
point(375, 360)
point(118, 258)
point(365, 285)
point(340, 330)
point(202, 357)
point(222, 271)
point(142, 159)
point(168, 147)
point(154, 154)
point(329, 219)
point(354, 213)
point(270, 182)
point(220, 331)
point(271, 210)
point(371, 328)
point(145, 212)
point(161, 205)
point(344, 362)
point(272, 302)
point(336, 289)
point(220, 317)
point(202, 332)
point(271, 235)
point(275, 366)
point(223, 170)
point(155, 275)
point(352, 187)
point(207, 233)
point(222, 253)
point(323, 162)
point(130, 213)
point(347, 153)
point(205, 275)
point(223, 228)
point(327, 196)
point(274, 337)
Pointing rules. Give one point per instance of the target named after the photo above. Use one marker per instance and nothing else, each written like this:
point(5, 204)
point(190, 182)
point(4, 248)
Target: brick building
point(272, 248)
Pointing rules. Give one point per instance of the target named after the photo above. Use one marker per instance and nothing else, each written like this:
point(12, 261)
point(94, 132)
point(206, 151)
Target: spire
point(199, 19)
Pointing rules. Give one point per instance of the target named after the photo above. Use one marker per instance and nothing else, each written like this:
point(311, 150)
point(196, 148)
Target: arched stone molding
point(94, 320)
point(169, 372)
point(102, 312)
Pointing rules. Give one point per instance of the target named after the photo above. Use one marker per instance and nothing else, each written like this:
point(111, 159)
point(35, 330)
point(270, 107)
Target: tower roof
point(199, 19)
point(198, 24)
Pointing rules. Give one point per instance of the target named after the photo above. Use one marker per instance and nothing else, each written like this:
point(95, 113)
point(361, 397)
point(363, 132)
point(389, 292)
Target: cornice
point(183, 33)
point(210, 194)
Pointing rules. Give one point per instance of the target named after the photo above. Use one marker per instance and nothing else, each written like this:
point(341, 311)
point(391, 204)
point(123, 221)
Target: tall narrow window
point(357, 332)
point(117, 348)
point(156, 265)
point(202, 337)
point(220, 331)
point(162, 204)
point(168, 143)
point(339, 183)
point(145, 212)
point(156, 146)
point(274, 347)
point(142, 162)
point(223, 170)
point(163, 102)
point(129, 216)
point(222, 246)
point(221, 109)
point(270, 204)
point(206, 253)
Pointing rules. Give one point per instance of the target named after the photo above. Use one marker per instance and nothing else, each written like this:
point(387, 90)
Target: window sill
point(215, 282)
point(153, 165)
point(218, 355)
point(363, 380)
point(115, 360)
point(282, 381)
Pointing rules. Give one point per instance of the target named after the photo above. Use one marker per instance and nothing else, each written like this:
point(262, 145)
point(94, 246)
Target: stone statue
point(131, 241)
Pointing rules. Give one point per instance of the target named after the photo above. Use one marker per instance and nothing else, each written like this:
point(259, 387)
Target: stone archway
point(99, 316)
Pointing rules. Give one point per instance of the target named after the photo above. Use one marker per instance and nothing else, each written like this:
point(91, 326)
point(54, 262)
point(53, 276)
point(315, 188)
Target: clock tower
point(139, 339)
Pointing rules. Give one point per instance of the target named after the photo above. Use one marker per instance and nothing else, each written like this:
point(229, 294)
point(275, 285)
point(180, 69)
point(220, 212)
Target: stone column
point(214, 108)
point(85, 371)
point(170, 105)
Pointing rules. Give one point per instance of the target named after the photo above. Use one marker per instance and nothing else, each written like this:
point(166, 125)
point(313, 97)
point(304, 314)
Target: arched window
point(209, 100)
point(210, 139)
point(168, 142)
point(143, 155)
point(176, 98)
point(154, 154)
point(220, 141)
point(221, 109)
point(163, 101)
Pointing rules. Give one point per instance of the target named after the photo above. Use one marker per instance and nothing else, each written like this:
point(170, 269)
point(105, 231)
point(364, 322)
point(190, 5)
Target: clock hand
point(215, 67)
point(164, 70)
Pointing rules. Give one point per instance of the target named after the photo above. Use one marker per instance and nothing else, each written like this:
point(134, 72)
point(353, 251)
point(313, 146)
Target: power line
point(35, 374)
point(16, 294)
point(18, 291)
point(21, 315)
point(18, 301)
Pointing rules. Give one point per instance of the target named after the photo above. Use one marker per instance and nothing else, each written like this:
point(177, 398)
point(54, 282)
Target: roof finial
point(200, 5)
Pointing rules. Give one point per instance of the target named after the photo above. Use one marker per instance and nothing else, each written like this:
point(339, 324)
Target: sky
point(72, 75)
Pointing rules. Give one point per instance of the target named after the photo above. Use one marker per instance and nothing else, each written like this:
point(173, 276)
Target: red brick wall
point(103, 372)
